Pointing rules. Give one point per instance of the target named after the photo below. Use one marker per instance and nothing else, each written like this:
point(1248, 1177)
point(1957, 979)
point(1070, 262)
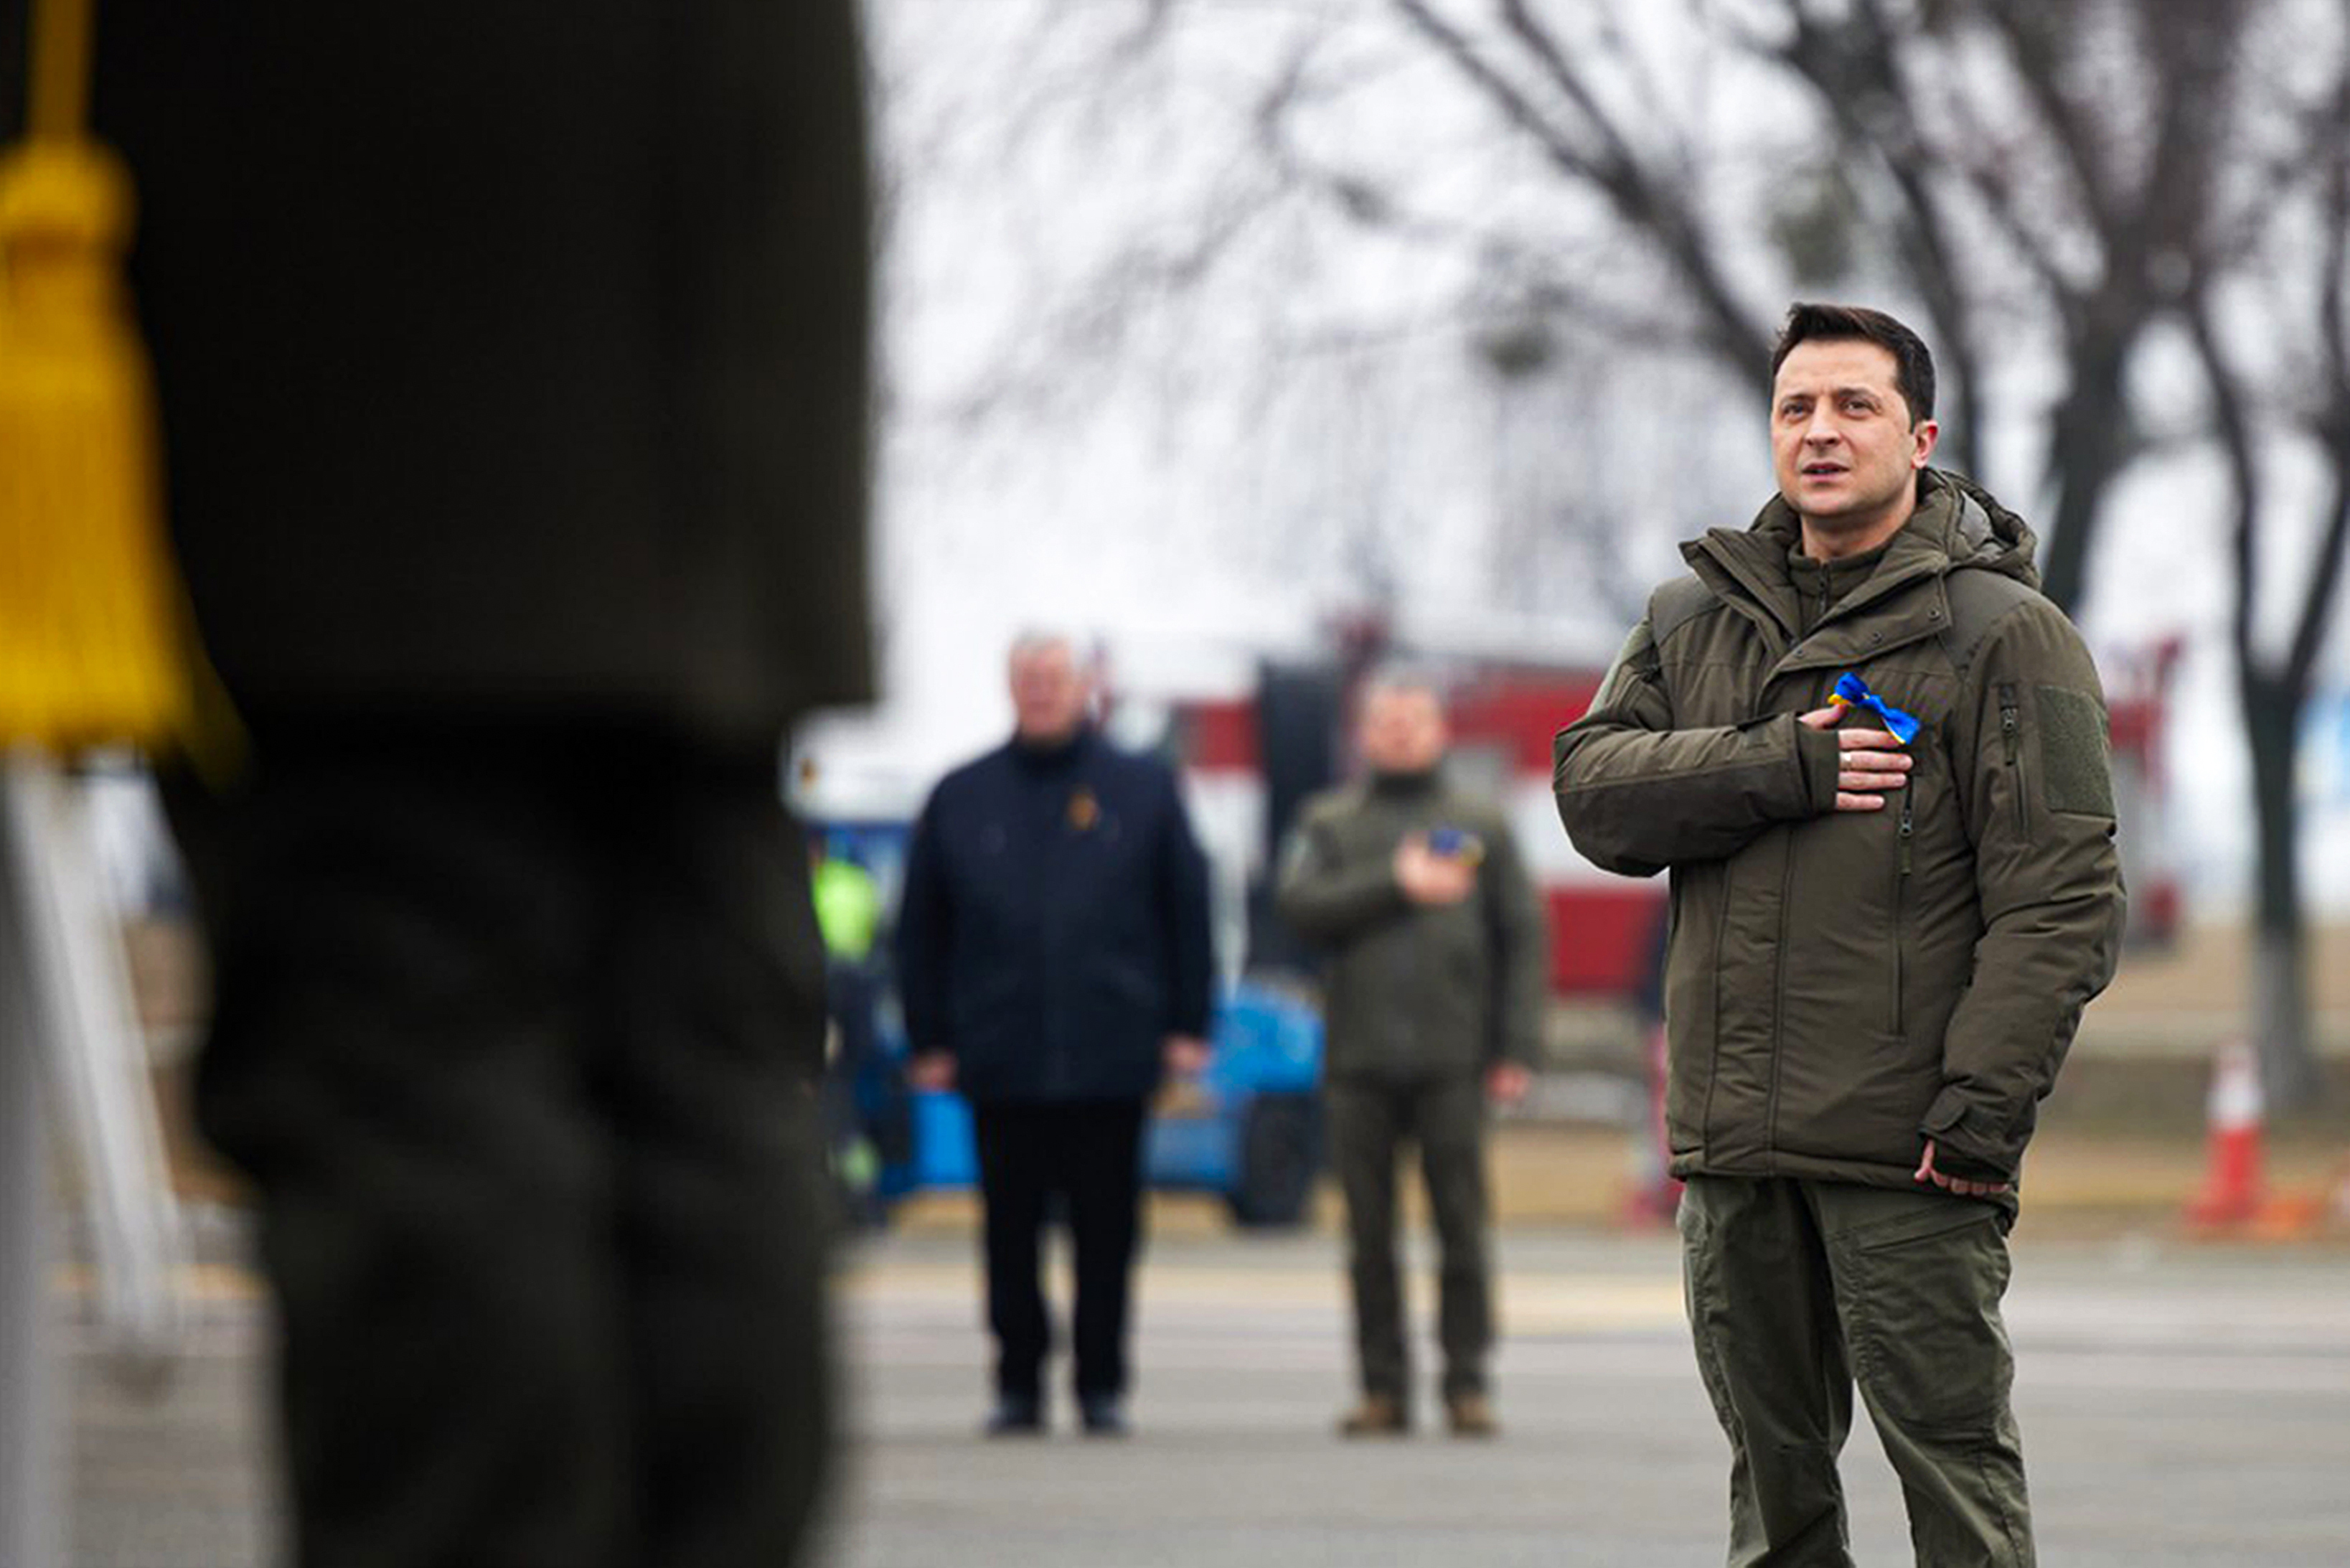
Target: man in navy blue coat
point(1054, 954)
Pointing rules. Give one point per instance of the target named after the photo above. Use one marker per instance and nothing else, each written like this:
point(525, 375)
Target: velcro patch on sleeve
point(2073, 771)
point(1638, 658)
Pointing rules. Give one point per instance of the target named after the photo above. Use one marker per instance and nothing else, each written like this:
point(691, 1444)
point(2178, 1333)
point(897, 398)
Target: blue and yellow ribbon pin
point(1852, 692)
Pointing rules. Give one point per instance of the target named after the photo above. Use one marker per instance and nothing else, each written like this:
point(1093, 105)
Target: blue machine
point(1248, 1127)
point(1252, 1129)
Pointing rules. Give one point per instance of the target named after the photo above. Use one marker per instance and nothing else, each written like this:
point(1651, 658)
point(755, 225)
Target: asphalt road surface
point(2181, 1405)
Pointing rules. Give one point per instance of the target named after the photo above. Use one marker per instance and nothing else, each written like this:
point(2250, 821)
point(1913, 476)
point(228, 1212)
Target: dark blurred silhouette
point(515, 379)
point(1054, 956)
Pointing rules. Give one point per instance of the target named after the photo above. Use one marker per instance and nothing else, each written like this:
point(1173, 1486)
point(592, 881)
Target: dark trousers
point(1795, 1289)
point(514, 1036)
point(1370, 1120)
point(1088, 1155)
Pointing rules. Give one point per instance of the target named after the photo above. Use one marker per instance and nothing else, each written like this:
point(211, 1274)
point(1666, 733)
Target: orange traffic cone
point(2302, 1215)
point(2232, 1181)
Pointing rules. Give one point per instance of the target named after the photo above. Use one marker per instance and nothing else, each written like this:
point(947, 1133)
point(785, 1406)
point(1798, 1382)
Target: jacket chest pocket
point(1925, 850)
point(2011, 746)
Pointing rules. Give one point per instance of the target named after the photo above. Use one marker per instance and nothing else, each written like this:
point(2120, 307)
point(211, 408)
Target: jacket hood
point(1972, 528)
point(1958, 526)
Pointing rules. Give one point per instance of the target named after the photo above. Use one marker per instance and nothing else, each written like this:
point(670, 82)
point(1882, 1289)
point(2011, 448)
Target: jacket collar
point(1054, 759)
point(1902, 601)
point(1419, 786)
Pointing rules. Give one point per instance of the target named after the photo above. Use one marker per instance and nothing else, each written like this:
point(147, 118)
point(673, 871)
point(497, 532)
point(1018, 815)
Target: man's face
point(1048, 692)
point(1401, 731)
point(1841, 439)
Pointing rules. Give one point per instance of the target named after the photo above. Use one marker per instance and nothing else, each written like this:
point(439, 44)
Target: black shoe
point(1017, 1416)
point(1103, 1417)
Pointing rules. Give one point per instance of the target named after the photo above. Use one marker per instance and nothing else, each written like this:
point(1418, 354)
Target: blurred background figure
point(1054, 956)
point(515, 381)
point(1435, 997)
point(848, 915)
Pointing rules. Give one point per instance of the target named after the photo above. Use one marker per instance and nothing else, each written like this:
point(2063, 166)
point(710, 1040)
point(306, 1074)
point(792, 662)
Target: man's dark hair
point(1913, 362)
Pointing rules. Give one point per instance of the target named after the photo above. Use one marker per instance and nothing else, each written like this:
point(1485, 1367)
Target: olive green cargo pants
point(1797, 1288)
point(1369, 1121)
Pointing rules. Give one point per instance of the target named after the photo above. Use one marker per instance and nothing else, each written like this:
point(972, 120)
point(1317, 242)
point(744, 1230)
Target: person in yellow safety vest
point(848, 914)
point(847, 905)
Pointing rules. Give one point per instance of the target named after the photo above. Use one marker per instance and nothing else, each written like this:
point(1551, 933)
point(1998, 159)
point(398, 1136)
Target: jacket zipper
point(1778, 1010)
point(1900, 911)
point(2011, 734)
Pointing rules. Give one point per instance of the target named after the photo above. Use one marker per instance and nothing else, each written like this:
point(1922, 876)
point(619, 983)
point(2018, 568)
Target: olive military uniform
point(1841, 987)
point(1421, 999)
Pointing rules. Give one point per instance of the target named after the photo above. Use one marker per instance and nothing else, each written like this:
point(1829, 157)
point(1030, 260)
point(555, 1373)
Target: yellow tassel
point(93, 638)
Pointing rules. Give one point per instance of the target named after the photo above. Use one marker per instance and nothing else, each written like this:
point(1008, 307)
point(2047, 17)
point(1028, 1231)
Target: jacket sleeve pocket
point(2047, 877)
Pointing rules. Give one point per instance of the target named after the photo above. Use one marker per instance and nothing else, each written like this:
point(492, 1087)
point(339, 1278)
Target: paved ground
point(180, 1477)
point(2182, 1405)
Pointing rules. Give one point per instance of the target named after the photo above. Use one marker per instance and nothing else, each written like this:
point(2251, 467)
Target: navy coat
point(1054, 927)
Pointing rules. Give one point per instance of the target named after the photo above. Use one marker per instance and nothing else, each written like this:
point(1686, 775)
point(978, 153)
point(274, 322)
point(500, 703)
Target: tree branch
point(1546, 50)
point(1988, 179)
point(1517, 106)
point(2333, 311)
point(1854, 71)
point(2029, 30)
point(1651, 209)
point(2234, 431)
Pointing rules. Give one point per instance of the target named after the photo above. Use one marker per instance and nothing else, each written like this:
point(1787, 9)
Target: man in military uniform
point(1434, 992)
point(1872, 757)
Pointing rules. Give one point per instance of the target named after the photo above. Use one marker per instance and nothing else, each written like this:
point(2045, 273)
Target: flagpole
point(31, 1438)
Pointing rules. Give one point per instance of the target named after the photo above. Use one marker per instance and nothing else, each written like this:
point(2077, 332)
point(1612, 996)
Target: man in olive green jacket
point(1882, 939)
point(1434, 991)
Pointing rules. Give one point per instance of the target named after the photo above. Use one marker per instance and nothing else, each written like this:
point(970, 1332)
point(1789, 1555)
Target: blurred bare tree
point(2146, 160)
point(2083, 140)
point(2055, 187)
point(2271, 324)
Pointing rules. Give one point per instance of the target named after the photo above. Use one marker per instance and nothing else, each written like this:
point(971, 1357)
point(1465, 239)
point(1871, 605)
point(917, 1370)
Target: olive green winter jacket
point(1412, 991)
point(1842, 986)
